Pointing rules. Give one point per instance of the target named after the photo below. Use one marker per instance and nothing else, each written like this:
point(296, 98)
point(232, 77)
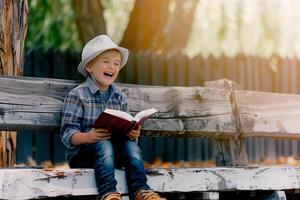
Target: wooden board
point(37, 183)
point(28, 103)
point(36, 103)
point(263, 114)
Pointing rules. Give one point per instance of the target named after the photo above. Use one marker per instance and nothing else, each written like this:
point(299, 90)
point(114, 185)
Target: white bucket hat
point(96, 46)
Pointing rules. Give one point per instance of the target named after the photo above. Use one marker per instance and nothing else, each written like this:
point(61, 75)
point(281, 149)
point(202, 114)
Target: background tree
point(179, 26)
point(145, 28)
point(154, 24)
point(89, 19)
point(256, 28)
point(13, 18)
point(159, 25)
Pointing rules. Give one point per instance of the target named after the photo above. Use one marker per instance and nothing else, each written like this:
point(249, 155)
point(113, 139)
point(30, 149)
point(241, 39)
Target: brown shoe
point(147, 195)
point(112, 196)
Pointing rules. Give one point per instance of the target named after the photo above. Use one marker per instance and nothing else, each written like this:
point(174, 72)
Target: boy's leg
point(134, 167)
point(102, 155)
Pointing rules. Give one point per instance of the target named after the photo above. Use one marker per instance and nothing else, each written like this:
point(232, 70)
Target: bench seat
point(37, 183)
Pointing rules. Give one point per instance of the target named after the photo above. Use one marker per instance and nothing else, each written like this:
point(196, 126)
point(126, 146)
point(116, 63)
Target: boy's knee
point(132, 150)
point(104, 149)
point(104, 153)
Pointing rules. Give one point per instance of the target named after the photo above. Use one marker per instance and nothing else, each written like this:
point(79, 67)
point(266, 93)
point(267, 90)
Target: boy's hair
point(97, 46)
point(92, 61)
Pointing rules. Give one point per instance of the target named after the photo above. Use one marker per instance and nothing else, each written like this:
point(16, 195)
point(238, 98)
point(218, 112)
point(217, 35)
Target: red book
point(121, 121)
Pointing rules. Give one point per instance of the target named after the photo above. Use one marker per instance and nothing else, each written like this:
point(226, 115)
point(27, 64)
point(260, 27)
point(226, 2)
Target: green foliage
point(51, 24)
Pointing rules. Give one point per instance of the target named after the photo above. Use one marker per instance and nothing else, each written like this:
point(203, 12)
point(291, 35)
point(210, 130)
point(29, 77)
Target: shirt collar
point(93, 87)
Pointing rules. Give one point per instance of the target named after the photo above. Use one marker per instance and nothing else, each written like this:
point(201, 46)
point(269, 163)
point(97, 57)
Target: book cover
point(119, 121)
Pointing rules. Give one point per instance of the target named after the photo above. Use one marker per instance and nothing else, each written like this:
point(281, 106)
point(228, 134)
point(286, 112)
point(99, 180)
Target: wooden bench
point(218, 111)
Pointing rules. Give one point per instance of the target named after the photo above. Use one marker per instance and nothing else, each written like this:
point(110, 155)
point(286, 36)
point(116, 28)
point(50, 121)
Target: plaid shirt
point(81, 108)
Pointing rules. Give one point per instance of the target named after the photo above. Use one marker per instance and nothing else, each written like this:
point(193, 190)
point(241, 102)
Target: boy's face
point(104, 69)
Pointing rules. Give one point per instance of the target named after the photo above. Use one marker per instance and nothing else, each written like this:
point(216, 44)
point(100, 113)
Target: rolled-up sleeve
point(71, 119)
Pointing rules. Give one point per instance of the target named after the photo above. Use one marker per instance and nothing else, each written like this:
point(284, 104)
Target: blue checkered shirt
point(81, 108)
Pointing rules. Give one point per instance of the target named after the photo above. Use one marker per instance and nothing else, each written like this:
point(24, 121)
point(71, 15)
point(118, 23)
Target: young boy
point(88, 147)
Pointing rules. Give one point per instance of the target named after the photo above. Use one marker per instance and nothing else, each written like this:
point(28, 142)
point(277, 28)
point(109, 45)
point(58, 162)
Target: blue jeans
point(106, 155)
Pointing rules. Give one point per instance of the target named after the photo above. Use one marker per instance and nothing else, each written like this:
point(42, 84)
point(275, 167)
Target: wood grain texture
point(28, 103)
point(37, 183)
point(265, 113)
point(13, 20)
point(35, 104)
point(231, 151)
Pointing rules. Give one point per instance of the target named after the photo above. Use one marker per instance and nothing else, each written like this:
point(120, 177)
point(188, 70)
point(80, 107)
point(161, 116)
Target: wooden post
point(13, 28)
point(230, 151)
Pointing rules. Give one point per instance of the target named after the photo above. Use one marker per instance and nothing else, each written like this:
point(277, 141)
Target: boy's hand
point(135, 133)
point(96, 134)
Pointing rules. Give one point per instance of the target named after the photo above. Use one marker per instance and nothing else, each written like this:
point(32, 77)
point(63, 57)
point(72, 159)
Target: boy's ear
point(88, 67)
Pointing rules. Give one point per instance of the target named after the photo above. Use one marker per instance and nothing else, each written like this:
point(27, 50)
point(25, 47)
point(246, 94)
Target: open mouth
point(108, 74)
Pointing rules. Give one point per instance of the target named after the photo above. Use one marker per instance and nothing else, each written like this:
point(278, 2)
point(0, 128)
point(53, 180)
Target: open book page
point(119, 113)
point(120, 121)
point(141, 116)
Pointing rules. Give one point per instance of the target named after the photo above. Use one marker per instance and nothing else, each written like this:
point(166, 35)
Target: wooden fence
point(251, 73)
point(174, 69)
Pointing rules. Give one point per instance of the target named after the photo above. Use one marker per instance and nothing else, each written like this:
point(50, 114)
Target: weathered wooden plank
point(36, 183)
point(28, 103)
point(35, 104)
point(264, 114)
